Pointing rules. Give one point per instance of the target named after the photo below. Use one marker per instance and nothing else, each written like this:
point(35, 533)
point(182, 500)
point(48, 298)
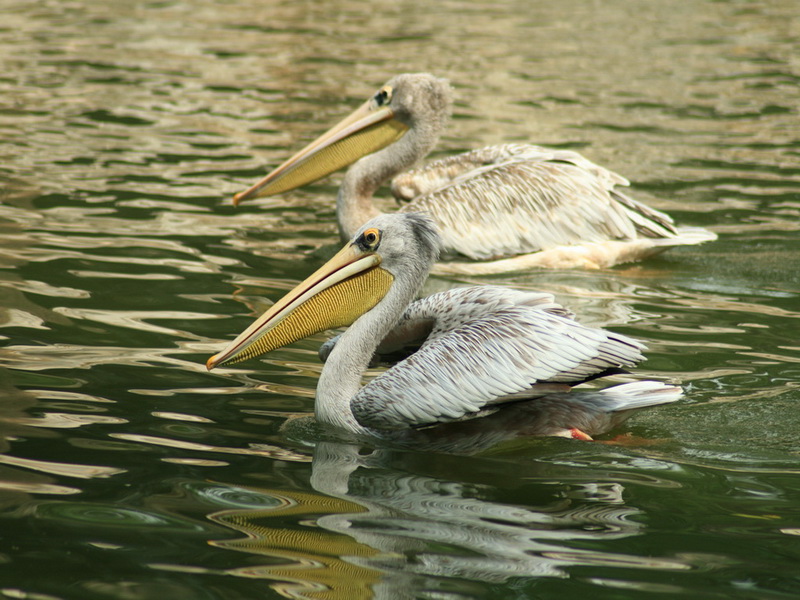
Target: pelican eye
point(369, 240)
point(384, 96)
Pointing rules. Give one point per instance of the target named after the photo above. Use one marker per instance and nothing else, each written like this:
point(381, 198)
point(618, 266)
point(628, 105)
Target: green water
point(128, 471)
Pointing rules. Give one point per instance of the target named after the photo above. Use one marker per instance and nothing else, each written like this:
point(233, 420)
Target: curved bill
point(339, 292)
point(366, 130)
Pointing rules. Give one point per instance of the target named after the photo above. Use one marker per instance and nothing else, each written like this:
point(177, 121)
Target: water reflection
point(387, 533)
point(371, 529)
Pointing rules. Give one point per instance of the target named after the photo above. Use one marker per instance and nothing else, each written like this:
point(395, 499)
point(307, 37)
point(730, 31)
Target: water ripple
point(65, 469)
point(123, 266)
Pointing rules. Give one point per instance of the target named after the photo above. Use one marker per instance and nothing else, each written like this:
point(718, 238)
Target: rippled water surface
point(128, 471)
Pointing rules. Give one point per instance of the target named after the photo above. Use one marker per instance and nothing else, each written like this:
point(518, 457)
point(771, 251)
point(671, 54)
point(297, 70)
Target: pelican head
point(412, 102)
point(390, 255)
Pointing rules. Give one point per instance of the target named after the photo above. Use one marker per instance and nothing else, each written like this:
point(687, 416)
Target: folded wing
point(487, 345)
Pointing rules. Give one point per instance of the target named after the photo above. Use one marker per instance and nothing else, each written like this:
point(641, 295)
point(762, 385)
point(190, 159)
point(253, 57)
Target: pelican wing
point(418, 321)
point(517, 198)
point(488, 345)
point(435, 175)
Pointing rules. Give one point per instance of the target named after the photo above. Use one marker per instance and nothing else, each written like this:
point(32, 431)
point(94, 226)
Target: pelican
point(510, 206)
point(479, 347)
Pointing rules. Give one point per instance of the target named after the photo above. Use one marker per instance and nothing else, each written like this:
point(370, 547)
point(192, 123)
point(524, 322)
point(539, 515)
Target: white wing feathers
point(487, 345)
point(517, 198)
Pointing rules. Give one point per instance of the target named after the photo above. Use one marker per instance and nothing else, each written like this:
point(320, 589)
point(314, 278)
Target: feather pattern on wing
point(513, 199)
point(487, 345)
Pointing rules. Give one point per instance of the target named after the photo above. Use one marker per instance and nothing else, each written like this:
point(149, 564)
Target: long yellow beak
point(339, 292)
point(366, 130)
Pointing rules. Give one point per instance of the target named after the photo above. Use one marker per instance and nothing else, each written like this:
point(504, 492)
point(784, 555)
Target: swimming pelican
point(480, 347)
point(513, 206)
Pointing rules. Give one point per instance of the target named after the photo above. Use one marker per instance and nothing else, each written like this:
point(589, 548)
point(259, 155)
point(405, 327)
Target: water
point(128, 471)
